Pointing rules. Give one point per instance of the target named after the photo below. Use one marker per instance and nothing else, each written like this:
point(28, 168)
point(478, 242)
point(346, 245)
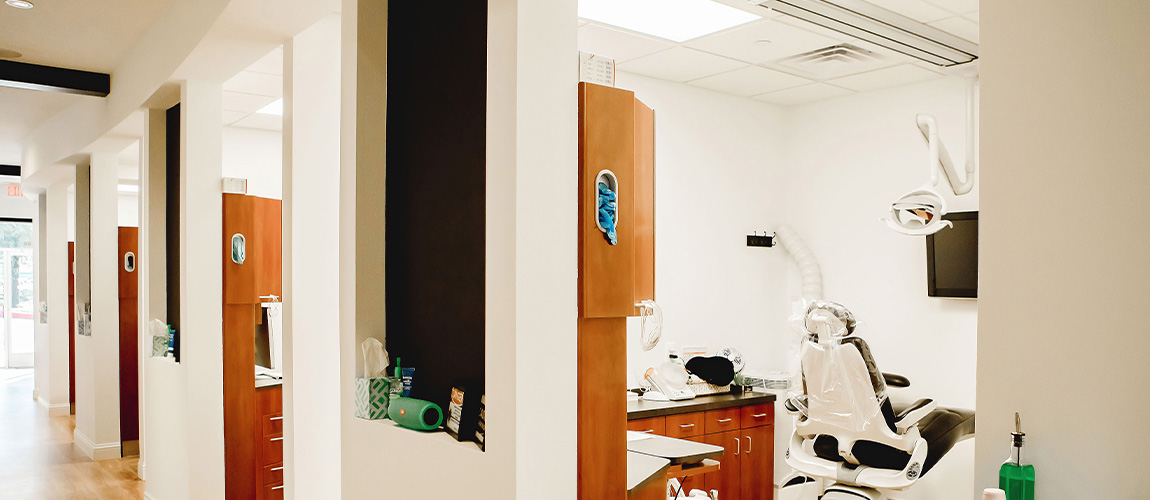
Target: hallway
point(37, 459)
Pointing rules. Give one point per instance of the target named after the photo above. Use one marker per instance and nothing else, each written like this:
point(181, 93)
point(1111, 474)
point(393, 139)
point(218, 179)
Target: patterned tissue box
point(371, 398)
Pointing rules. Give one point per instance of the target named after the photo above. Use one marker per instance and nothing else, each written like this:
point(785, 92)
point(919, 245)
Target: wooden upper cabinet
point(258, 221)
point(615, 135)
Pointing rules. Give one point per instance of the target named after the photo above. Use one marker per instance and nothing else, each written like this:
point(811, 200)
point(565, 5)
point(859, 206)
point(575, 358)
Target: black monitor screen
point(952, 258)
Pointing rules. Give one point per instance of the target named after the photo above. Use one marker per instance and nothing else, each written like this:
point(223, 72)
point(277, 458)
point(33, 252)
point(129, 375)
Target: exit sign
point(14, 191)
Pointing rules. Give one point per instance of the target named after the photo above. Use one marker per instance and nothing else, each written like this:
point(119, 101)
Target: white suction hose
point(808, 267)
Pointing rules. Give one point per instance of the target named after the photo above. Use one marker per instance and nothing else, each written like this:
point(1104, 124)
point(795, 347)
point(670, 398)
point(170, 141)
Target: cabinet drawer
point(272, 450)
point(273, 425)
point(272, 491)
point(757, 415)
point(723, 420)
point(272, 474)
point(685, 425)
point(653, 425)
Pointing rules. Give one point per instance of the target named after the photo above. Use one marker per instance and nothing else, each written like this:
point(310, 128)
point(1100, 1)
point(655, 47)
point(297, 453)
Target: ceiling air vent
point(835, 60)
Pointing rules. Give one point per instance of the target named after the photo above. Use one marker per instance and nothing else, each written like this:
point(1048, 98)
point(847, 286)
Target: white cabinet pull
point(723, 420)
point(280, 487)
point(748, 445)
point(684, 426)
point(648, 431)
point(276, 418)
point(277, 468)
point(278, 439)
point(759, 415)
point(738, 446)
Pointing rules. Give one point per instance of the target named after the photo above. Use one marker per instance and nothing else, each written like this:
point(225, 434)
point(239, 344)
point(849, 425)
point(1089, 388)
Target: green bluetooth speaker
point(415, 413)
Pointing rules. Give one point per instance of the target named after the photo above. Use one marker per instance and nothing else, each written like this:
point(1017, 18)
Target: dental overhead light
point(920, 212)
point(20, 4)
point(882, 27)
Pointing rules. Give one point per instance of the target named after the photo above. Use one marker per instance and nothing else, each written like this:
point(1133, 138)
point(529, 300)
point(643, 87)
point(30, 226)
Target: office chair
point(850, 442)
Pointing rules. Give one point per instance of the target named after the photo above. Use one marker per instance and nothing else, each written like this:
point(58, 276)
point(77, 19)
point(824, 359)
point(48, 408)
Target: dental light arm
point(940, 158)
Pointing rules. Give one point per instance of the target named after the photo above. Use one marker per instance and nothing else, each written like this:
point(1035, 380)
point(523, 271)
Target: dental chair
point(850, 441)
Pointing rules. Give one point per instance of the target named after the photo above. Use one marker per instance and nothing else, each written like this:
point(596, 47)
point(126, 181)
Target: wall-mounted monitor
point(952, 258)
point(269, 339)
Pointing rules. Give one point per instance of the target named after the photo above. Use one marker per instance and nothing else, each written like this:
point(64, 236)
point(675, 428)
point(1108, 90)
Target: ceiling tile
point(885, 78)
point(915, 9)
point(250, 82)
point(957, 6)
point(231, 117)
point(960, 27)
point(804, 94)
point(749, 81)
point(617, 44)
point(260, 121)
point(271, 64)
point(680, 64)
point(247, 103)
point(762, 41)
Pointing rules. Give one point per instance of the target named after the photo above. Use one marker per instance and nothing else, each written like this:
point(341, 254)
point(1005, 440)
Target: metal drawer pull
point(738, 446)
point(723, 420)
point(278, 439)
point(748, 445)
point(648, 431)
point(684, 426)
point(759, 415)
point(276, 418)
point(277, 468)
point(280, 487)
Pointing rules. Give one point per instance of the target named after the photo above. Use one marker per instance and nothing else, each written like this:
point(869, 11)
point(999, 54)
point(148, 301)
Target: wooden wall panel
point(240, 279)
point(239, 401)
point(606, 141)
point(602, 409)
point(129, 338)
point(71, 327)
point(644, 196)
point(268, 247)
point(129, 283)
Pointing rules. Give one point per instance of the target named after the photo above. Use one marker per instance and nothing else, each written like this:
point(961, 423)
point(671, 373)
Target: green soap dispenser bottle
point(1014, 477)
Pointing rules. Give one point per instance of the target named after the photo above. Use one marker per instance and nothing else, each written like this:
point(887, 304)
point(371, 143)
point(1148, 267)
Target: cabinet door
point(757, 463)
point(726, 480)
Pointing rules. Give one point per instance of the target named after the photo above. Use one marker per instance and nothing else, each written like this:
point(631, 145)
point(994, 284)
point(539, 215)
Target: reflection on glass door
point(17, 340)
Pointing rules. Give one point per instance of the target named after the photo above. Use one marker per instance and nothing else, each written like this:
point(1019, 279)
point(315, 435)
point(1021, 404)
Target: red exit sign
point(14, 191)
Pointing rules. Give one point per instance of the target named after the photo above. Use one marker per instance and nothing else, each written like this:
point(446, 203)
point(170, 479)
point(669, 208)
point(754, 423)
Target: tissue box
point(371, 398)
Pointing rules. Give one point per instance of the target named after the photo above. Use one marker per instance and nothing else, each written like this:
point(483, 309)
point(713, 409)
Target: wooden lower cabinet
point(747, 433)
point(270, 450)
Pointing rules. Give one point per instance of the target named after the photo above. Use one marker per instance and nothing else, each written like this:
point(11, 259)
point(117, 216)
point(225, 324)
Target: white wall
point(52, 348)
point(17, 207)
point(128, 206)
point(848, 159)
point(719, 168)
point(255, 155)
point(1062, 325)
point(311, 262)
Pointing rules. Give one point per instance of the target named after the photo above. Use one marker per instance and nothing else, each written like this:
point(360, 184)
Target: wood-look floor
point(38, 460)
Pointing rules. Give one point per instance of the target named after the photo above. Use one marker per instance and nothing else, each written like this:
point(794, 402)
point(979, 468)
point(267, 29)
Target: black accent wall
point(436, 192)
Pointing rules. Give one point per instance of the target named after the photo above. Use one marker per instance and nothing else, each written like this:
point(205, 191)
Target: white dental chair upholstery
point(850, 441)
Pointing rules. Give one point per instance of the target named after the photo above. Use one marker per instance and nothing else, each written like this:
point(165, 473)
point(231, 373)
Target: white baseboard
point(140, 472)
point(58, 410)
point(35, 394)
point(105, 451)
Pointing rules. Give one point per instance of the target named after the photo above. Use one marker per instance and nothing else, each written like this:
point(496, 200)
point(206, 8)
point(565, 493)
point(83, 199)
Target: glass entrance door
point(17, 340)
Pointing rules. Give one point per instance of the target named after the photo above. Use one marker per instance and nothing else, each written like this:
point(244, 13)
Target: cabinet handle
point(724, 420)
point(278, 439)
point(648, 431)
point(280, 487)
point(276, 418)
point(277, 468)
point(759, 415)
point(748, 445)
point(738, 446)
point(684, 426)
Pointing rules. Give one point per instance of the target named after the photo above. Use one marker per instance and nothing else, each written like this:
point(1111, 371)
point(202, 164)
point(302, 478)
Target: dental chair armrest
point(795, 405)
point(910, 416)
point(893, 380)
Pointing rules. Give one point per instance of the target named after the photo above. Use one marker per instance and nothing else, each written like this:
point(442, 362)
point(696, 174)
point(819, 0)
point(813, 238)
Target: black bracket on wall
point(766, 240)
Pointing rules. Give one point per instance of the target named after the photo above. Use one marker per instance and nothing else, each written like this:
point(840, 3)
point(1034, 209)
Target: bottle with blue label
point(1015, 477)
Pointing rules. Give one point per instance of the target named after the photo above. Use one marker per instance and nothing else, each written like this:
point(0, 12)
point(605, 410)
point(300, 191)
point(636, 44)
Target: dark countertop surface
point(262, 382)
point(642, 470)
point(647, 409)
point(678, 451)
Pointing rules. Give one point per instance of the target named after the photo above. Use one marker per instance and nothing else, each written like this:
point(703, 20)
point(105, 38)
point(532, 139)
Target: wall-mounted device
point(607, 199)
point(239, 248)
point(129, 262)
point(269, 340)
point(765, 240)
point(952, 258)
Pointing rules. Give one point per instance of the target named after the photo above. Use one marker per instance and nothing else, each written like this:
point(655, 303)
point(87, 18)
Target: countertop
point(642, 470)
point(678, 451)
point(262, 382)
point(647, 409)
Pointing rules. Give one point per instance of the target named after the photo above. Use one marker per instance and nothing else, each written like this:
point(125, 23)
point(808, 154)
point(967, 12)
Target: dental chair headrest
point(835, 309)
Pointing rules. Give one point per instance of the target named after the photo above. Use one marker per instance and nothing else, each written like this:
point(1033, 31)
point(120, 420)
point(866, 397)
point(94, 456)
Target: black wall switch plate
point(760, 241)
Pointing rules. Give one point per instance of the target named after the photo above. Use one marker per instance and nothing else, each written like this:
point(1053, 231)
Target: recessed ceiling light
point(275, 108)
point(19, 4)
point(676, 20)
